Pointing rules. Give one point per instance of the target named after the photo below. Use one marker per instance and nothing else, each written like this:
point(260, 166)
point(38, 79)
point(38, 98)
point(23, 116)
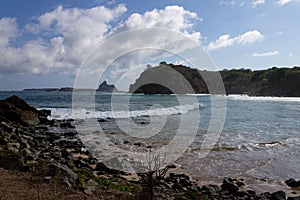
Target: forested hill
point(270, 82)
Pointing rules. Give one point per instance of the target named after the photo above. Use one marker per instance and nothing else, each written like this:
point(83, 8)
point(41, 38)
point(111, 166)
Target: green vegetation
point(165, 79)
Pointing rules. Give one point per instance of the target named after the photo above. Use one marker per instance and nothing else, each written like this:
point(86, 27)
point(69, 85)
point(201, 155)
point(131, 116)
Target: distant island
point(65, 89)
point(103, 87)
point(283, 82)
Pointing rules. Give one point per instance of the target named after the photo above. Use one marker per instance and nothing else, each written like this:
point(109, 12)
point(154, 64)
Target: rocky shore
point(51, 151)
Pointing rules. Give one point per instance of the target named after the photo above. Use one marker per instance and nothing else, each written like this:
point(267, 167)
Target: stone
point(14, 109)
point(230, 187)
point(66, 125)
point(90, 186)
point(30, 118)
point(11, 160)
point(102, 120)
point(292, 183)
point(185, 182)
point(100, 166)
point(294, 198)
point(279, 195)
point(64, 172)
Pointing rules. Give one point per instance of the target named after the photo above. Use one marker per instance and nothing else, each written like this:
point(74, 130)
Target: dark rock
point(177, 187)
point(185, 182)
point(103, 168)
point(180, 176)
point(227, 180)
point(279, 195)
point(63, 172)
point(104, 87)
point(66, 125)
point(294, 198)
point(70, 134)
point(10, 160)
point(64, 153)
point(212, 188)
point(292, 183)
point(3, 141)
point(240, 183)
point(14, 109)
point(137, 144)
point(230, 187)
point(102, 120)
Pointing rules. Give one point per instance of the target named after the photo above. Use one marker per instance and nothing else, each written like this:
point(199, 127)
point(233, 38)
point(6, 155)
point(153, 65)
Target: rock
point(230, 187)
point(137, 144)
point(102, 120)
point(3, 141)
point(177, 187)
point(294, 198)
point(66, 125)
point(90, 186)
point(30, 118)
point(180, 196)
point(103, 168)
point(70, 134)
point(292, 183)
point(63, 172)
point(185, 182)
point(11, 160)
point(104, 87)
point(14, 109)
point(279, 195)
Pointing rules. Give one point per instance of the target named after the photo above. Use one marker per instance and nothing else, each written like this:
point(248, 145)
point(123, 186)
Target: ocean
point(260, 139)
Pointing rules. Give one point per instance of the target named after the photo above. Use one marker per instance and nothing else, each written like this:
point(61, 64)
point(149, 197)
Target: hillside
point(270, 82)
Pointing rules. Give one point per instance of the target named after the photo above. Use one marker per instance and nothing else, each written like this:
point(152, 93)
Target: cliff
point(270, 82)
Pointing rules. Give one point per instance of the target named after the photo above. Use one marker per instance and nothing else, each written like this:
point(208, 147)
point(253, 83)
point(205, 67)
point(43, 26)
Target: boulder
point(61, 171)
point(16, 110)
point(294, 198)
point(279, 195)
point(292, 183)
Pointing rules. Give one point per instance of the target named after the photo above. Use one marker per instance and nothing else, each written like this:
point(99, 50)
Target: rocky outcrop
point(16, 110)
point(169, 78)
point(104, 87)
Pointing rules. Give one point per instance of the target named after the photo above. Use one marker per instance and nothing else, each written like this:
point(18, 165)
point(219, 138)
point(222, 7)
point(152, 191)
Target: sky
point(47, 43)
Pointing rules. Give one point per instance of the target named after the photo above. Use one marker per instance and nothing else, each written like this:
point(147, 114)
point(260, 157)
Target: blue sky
point(43, 43)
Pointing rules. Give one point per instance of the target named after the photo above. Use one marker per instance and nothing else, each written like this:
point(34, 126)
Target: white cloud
point(65, 36)
point(266, 54)
point(69, 34)
point(8, 30)
point(255, 3)
point(243, 39)
point(283, 2)
point(171, 17)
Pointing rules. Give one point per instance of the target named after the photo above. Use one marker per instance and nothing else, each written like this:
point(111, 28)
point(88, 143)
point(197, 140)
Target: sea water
point(260, 140)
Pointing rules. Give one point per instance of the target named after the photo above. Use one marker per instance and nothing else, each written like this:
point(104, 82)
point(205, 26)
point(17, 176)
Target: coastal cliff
point(270, 82)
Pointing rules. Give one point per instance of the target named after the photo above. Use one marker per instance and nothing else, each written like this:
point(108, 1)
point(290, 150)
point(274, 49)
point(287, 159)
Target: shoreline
point(61, 156)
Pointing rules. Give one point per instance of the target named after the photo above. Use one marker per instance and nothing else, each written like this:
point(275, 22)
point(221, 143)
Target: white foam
point(66, 113)
point(267, 98)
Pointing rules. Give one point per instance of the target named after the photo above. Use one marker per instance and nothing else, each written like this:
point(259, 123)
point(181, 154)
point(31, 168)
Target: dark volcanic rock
point(103, 168)
point(14, 109)
point(292, 183)
point(279, 195)
point(104, 87)
point(294, 198)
